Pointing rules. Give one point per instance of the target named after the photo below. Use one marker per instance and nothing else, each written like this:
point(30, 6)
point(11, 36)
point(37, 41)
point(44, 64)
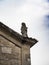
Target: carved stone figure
point(24, 30)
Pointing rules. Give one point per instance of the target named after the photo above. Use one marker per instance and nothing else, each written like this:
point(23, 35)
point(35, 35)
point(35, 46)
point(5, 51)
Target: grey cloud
point(12, 2)
point(46, 21)
point(1, 0)
point(19, 2)
point(47, 0)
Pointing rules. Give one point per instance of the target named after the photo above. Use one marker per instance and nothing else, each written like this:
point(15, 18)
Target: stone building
point(14, 48)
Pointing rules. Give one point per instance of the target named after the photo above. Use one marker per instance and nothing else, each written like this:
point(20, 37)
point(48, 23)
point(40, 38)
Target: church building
point(15, 48)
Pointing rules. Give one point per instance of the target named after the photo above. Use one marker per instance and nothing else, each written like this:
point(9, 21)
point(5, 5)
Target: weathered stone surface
point(9, 53)
point(6, 50)
point(15, 48)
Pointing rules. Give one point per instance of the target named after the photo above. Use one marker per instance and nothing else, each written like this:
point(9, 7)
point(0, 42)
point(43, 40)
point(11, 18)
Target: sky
point(35, 13)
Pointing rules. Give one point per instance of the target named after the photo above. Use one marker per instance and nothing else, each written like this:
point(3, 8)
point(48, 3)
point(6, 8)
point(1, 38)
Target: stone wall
point(9, 53)
point(26, 55)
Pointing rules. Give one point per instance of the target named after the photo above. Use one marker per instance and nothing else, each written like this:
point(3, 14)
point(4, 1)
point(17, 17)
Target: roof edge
point(32, 41)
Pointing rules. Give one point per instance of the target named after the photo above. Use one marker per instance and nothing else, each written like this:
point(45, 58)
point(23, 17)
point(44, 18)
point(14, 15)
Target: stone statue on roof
point(24, 30)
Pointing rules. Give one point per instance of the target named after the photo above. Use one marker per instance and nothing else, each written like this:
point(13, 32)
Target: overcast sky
point(35, 13)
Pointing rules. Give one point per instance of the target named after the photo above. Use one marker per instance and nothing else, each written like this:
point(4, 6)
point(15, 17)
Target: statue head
point(23, 24)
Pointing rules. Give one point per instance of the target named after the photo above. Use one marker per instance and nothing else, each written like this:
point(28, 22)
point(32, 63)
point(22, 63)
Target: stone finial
point(24, 30)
